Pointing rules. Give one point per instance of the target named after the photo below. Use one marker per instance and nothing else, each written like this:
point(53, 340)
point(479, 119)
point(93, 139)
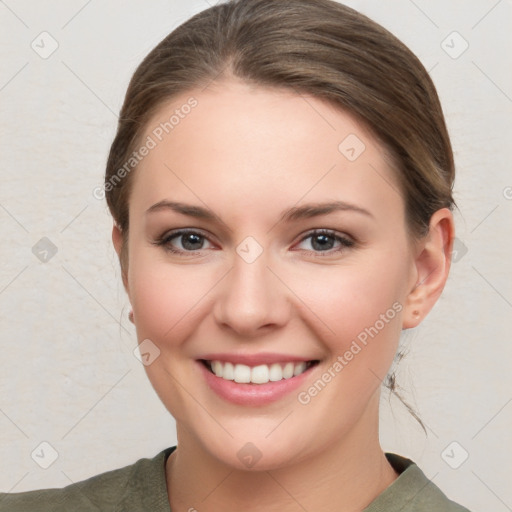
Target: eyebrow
point(186, 209)
point(315, 209)
point(292, 214)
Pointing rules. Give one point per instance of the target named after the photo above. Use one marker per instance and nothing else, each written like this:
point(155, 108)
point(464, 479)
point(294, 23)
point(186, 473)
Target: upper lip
point(255, 359)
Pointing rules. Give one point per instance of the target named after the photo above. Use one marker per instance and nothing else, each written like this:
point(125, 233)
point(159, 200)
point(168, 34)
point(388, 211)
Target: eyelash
point(165, 239)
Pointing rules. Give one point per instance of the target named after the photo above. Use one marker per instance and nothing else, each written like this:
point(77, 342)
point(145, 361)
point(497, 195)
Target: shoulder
point(135, 484)
point(412, 491)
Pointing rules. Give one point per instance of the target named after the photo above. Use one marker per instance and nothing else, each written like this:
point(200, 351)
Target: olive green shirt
point(141, 487)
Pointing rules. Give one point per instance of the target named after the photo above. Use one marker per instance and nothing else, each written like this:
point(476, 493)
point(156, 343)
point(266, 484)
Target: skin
point(249, 153)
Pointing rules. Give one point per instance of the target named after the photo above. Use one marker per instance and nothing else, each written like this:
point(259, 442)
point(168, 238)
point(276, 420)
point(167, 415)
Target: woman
point(280, 184)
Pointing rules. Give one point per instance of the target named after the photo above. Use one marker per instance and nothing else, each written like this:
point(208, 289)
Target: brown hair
point(316, 47)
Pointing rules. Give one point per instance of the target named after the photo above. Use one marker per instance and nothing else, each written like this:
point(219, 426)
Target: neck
point(345, 476)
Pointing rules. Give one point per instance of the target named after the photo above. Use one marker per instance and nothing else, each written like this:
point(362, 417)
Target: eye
point(325, 240)
point(188, 242)
point(182, 241)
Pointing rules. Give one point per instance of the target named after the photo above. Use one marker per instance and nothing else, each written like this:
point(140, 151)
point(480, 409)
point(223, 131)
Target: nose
point(252, 299)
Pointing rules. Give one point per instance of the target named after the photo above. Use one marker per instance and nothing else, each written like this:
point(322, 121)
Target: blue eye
point(324, 240)
point(190, 241)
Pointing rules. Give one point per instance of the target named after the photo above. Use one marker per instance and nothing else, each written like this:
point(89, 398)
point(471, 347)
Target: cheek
point(347, 300)
point(359, 309)
point(166, 298)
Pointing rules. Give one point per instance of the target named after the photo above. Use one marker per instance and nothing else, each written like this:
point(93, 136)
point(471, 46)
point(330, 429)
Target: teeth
point(261, 374)
point(258, 374)
point(242, 373)
point(275, 372)
point(299, 368)
point(228, 372)
point(217, 368)
point(288, 370)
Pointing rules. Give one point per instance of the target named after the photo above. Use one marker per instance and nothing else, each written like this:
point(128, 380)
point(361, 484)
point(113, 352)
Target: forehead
point(246, 146)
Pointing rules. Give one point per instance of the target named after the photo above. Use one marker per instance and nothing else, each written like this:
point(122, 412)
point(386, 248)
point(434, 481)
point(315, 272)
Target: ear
point(432, 266)
point(117, 239)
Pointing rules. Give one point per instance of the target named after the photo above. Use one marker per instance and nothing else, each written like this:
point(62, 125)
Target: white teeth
point(242, 373)
point(228, 372)
point(288, 370)
point(261, 374)
point(217, 368)
point(275, 373)
point(299, 368)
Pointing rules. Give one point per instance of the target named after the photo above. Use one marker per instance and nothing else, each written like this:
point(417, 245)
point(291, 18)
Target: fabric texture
point(141, 487)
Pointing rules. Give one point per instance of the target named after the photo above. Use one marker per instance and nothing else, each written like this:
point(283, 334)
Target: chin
point(258, 454)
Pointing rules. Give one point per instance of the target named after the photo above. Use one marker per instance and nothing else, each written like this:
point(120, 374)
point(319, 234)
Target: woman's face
point(265, 273)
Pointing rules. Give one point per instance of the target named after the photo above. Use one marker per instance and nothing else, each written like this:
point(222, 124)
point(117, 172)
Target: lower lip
point(253, 394)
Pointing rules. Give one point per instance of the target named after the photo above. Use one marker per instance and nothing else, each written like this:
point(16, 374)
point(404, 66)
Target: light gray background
point(68, 375)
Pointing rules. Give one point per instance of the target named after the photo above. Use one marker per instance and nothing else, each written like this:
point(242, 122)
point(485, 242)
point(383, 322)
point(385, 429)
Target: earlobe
point(432, 265)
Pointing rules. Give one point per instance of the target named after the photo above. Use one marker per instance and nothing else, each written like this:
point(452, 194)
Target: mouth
point(259, 374)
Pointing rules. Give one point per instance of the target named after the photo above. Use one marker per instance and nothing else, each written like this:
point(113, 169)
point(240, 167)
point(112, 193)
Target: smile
point(260, 374)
